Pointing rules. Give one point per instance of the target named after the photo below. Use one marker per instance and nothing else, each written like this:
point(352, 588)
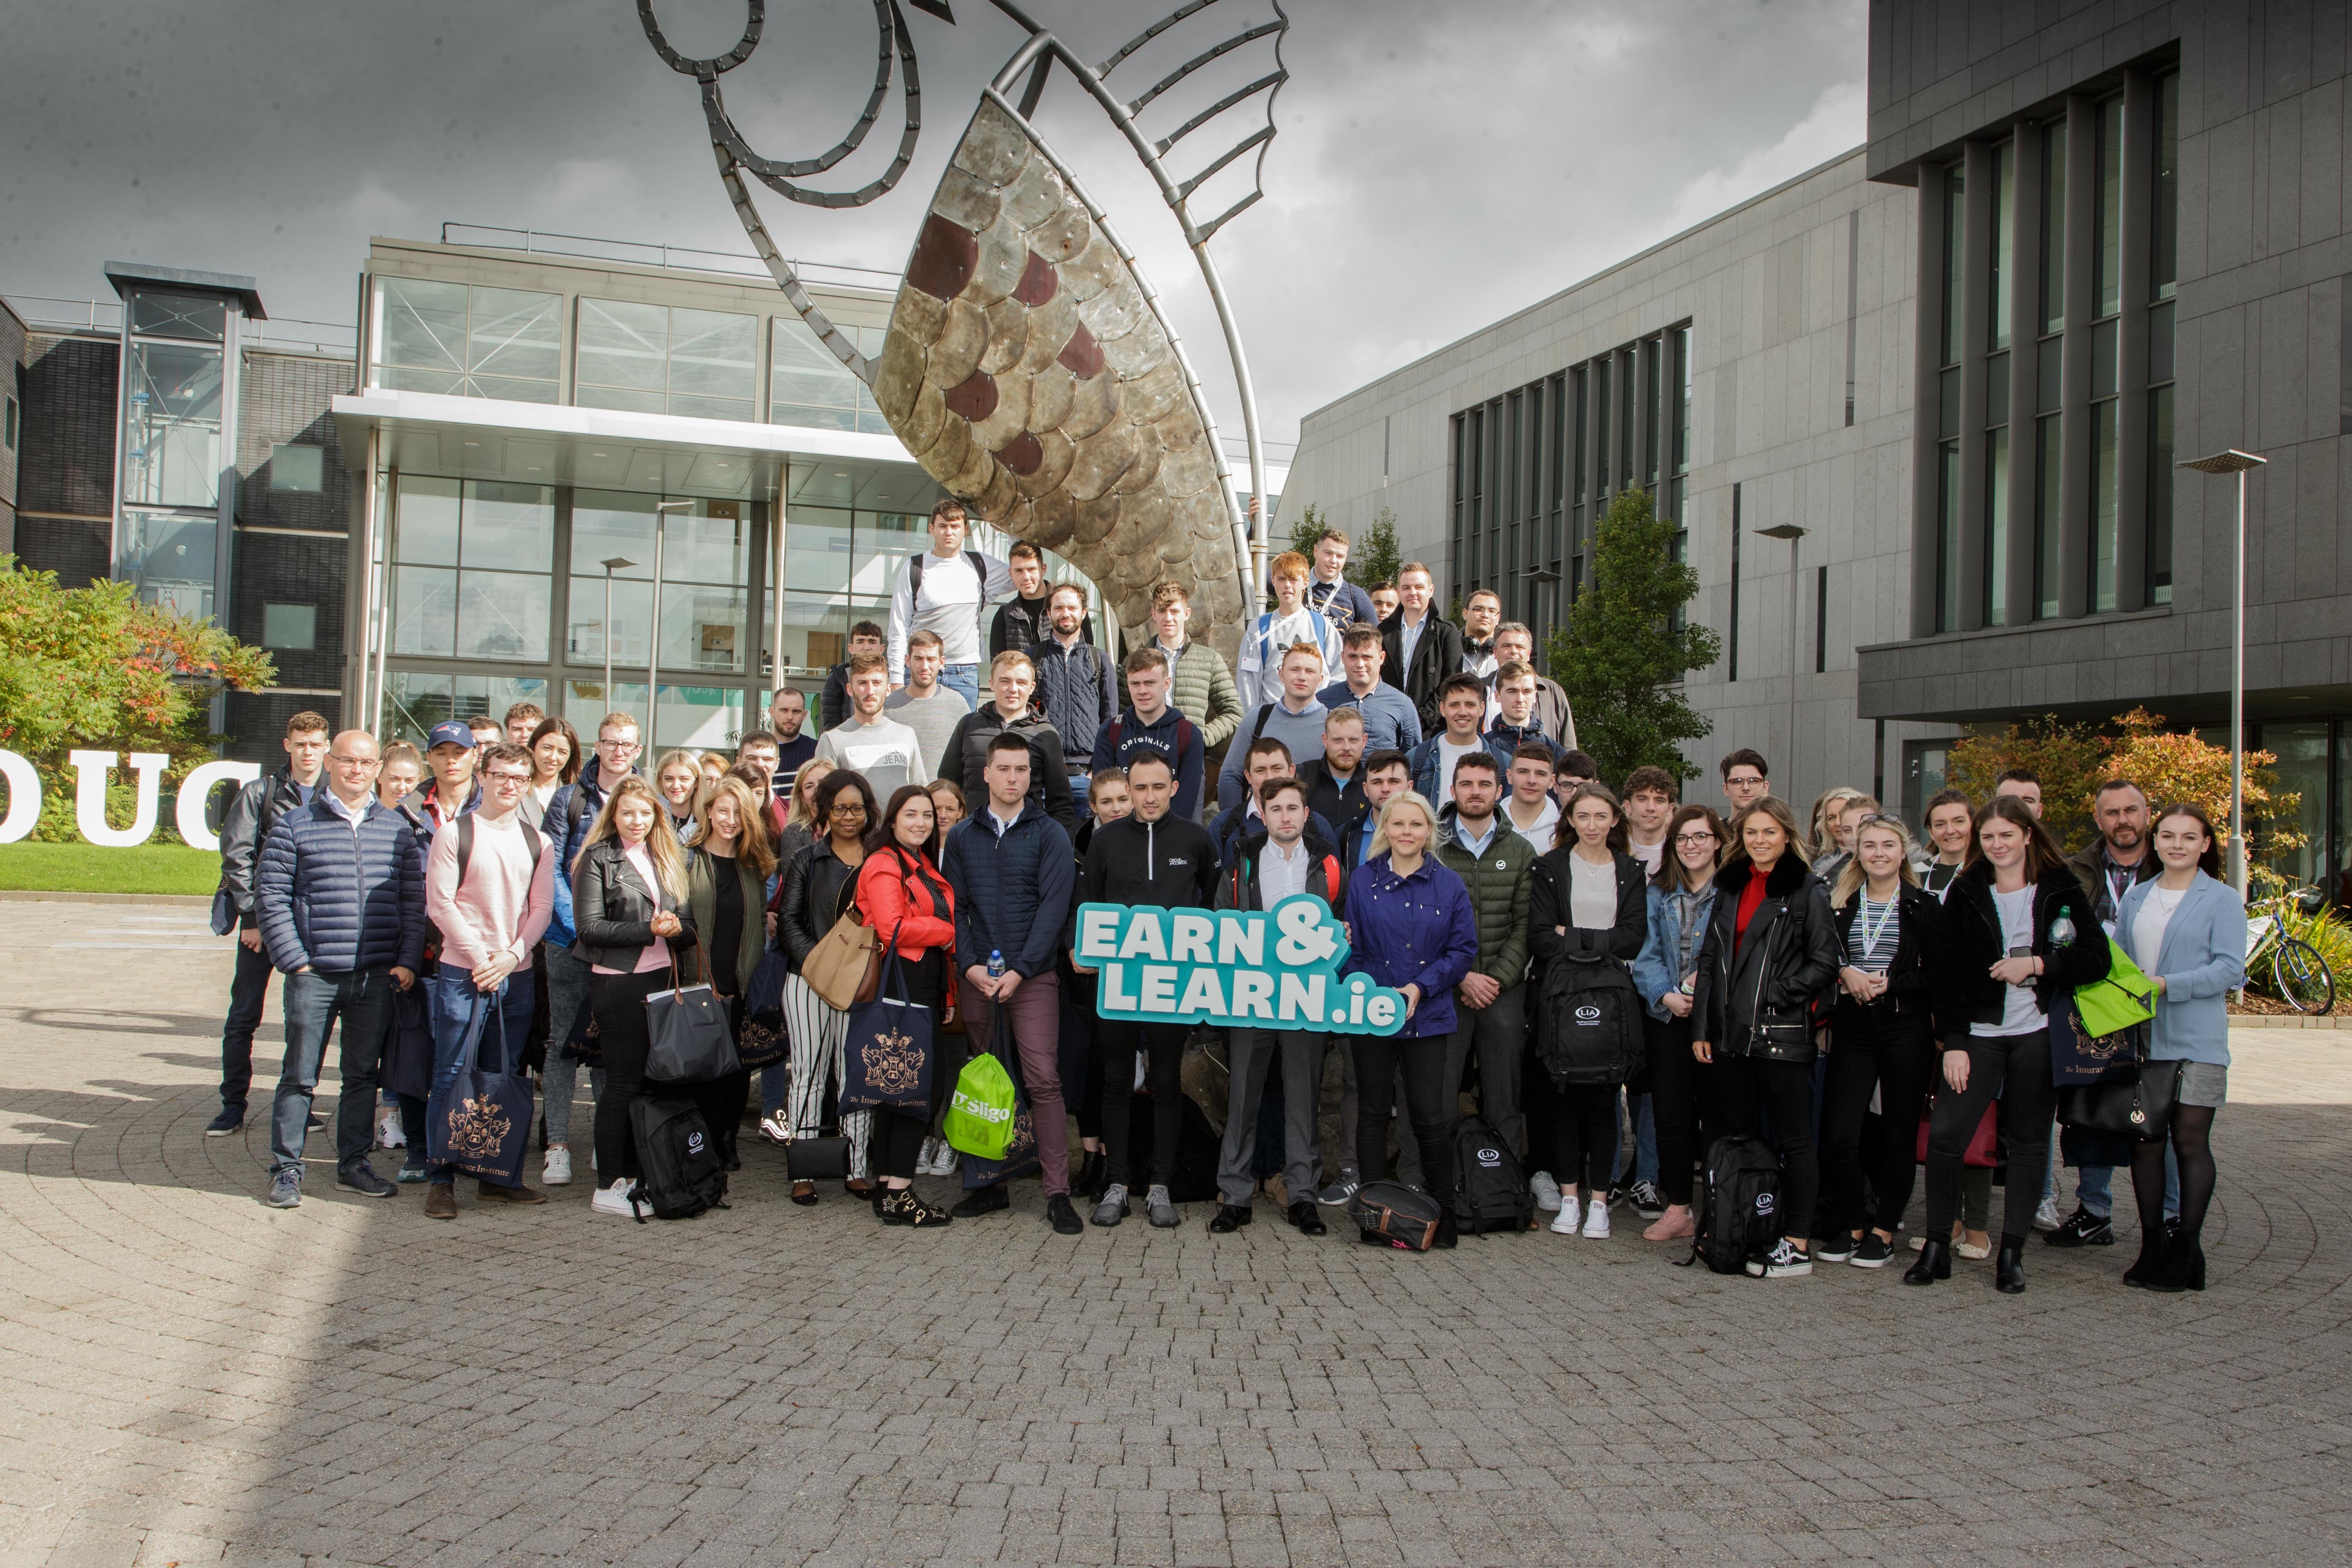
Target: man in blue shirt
point(1391, 721)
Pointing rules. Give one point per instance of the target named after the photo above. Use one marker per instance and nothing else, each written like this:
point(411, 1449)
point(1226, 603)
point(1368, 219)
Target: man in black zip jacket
point(252, 813)
point(1011, 678)
point(1153, 857)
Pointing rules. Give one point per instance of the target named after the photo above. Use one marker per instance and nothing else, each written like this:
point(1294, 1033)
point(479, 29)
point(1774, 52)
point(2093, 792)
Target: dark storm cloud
point(1438, 166)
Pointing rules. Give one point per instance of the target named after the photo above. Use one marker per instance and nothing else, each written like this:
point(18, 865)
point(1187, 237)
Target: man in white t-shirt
point(924, 705)
point(1258, 671)
point(1534, 814)
point(947, 590)
point(1649, 807)
point(886, 752)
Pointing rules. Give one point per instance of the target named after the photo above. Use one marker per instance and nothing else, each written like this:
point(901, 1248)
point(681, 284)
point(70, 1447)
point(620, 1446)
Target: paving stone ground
point(187, 1376)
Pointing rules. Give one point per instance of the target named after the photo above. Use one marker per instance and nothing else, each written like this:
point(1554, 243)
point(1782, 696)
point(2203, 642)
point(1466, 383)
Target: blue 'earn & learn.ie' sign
point(1233, 967)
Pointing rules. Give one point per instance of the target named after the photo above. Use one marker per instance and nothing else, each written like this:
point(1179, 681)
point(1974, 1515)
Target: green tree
point(1306, 529)
point(1374, 560)
point(1624, 650)
point(95, 667)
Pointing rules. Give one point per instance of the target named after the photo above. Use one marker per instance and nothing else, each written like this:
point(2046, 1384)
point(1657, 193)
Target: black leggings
point(1753, 1084)
point(1116, 1041)
point(1377, 1056)
point(2192, 1147)
point(897, 1137)
point(1873, 1048)
point(2017, 1068)
point(1679, 1082)
point(1584, 1135)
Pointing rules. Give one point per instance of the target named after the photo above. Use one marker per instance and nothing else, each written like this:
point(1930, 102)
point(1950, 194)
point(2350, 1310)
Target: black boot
point(1448, 1234)
point(1934, 1263)
point(2183, 1267)
point(2009, 1267)
point(1093, 1175)
point(2150, 1260)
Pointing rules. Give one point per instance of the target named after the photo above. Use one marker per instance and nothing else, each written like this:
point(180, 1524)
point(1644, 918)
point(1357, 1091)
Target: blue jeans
point(963, 679)
point(1082, 788)
point(362, 999)
point(776, 1080)
point(2094, 1186)
point(450, 998)
point(246, 993)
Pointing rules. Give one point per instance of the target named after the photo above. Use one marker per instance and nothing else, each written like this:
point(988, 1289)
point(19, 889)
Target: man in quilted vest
point(340, 894)
point(1497, 866)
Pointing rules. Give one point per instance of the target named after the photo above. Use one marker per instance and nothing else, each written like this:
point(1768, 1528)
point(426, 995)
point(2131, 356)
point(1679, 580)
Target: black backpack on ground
point(1493, 1194)
point(680, 1173)
point(1738, 1206)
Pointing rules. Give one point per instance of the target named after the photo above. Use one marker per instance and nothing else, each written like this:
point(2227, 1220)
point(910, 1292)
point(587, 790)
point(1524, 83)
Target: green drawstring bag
point(2123, 999)
point(979, 1119)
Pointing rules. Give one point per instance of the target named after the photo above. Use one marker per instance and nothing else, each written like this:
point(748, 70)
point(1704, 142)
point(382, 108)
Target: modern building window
point(1731, 634)
point(2001, 262)
point(2107, 256)
point(300, 469)
point(2049, 494)
point(808, 386)
point(1579, 519)
point(2164, 208)
point(171, 557)
point(467, 340)
point(471, 563)
point(172, 425)
point(2054, 226)
point(293, 628)
point(2160, 373)
point(663, 359)
point(416, 700)
point(175, 444)
point(11, 423)
point(1947, 458)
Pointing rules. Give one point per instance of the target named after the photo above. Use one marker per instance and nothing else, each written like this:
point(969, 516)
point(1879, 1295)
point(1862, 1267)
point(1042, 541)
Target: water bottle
point(995, 964)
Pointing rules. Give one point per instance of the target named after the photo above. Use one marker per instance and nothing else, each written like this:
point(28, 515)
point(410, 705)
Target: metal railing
point(47, 314)
point(652, 253)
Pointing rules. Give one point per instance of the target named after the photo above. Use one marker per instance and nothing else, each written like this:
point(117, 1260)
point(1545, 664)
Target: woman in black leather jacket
point(1882, 1041)
point(1770, 954)
point(819, 882)
point(2020, 936)
point(628, 904)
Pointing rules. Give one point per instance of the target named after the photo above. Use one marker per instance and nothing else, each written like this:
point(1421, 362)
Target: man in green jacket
point(1495, 865)
point(1201, 684)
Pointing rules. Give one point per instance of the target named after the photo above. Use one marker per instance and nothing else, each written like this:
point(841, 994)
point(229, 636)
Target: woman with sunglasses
point(2186, 930)
point(2020, 938)
point(1883, 1040)
point(1666, 975)
point(818, 886)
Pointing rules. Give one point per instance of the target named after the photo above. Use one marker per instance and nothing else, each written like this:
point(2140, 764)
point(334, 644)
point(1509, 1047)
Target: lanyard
point(1871, 933)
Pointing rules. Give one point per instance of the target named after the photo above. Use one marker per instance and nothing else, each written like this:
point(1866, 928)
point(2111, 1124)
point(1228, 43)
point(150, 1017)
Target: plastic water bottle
point(995, 964)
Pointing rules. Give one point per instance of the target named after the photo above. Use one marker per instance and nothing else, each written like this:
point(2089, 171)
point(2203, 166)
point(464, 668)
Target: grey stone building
point(2080, 244)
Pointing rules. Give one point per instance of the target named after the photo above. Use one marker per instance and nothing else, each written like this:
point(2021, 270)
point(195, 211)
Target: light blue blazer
point(2202, 960)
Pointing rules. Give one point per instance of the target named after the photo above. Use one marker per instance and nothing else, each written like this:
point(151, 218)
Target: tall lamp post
point(2233, 461)
point(611, 565)
point(1791, 532)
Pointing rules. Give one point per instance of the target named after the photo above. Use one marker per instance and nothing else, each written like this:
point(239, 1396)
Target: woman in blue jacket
point(1666, 975)
point(1410, 928)
point(2186, 930)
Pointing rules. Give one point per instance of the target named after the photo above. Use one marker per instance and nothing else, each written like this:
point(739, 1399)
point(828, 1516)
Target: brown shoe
point(486, 1193)
point(440, 1201)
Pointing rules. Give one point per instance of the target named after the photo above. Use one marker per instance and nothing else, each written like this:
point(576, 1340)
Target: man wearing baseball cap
point(452, 791)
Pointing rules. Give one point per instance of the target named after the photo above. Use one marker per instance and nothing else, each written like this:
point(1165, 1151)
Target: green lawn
point(87, 868)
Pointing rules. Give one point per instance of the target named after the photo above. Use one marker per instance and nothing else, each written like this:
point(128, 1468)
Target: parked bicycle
point(2298, 973)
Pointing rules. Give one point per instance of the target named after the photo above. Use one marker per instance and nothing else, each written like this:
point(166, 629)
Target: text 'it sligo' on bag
point(481, 1123)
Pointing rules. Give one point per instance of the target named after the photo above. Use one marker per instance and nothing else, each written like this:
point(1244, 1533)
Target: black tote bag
point(887, 1059)
point(688, 1039)
point(481, 1122)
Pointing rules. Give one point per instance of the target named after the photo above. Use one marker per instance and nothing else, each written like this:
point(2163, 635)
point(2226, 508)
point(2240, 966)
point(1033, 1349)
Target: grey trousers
point(1499, 1034)
point(567, 993)
point(1251, 1054)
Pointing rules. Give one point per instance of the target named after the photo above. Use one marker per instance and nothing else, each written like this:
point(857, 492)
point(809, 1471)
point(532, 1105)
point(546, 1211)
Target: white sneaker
point(2045, 1218)
point(1546, 1190)
point(776, 1128)
point(388, 1131)
point(923, 1156)
point(1596, 1218)
point(1783, 1262)
point(614, 1199)
point(1565, 1223)
point(558, 1171)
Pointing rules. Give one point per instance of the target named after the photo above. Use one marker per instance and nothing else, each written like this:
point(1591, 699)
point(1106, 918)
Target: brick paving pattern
point(190, 1377)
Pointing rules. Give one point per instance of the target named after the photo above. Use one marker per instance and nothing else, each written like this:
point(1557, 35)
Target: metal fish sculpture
point(1029, 367)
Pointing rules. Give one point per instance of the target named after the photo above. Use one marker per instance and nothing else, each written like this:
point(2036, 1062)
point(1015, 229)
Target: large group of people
point(1616, 978)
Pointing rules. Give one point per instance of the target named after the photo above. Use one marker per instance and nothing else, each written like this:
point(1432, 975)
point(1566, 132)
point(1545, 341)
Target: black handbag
point(817, 1159)
point(688, 1039)
point(407, 1069)
point(2137, 1107)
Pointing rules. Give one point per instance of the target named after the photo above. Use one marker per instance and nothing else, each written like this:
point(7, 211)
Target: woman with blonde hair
point(726, 873)
point(1825, 847)
point(1411, 928)
point(1882, 1041)
point(678, 778)
point(629, 906)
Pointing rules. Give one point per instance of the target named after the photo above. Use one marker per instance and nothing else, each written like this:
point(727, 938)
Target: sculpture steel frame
point(1036, 56)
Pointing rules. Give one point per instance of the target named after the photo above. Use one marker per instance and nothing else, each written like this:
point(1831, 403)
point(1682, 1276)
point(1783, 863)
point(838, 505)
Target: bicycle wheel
point(2302, 977)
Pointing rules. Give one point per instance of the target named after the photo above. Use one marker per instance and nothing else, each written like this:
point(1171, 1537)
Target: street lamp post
point(2233, 461)
point(615, 564)
point(1791, 532)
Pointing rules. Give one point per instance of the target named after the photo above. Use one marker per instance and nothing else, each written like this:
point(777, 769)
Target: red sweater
point(898, 886)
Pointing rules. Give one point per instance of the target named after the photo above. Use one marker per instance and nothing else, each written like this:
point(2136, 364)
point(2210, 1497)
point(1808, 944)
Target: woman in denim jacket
point(1680, 895)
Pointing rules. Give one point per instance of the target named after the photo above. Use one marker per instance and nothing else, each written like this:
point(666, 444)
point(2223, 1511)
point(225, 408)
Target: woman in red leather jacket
point(900, 890)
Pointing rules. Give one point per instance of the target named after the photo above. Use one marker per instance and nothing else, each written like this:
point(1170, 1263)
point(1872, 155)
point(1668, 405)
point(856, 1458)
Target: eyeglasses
point(1701, 837)
point(846, 808)
point(360, 765)
point(514, 779)
point(604, 745)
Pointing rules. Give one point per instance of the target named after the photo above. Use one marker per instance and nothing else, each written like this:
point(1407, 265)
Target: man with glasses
point(252, 813)
point(341, 899)
point(489, 890)
point(571, 811)
point(1746, 781)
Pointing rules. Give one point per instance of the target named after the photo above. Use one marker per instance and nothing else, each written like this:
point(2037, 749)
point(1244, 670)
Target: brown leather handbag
point(844, 968)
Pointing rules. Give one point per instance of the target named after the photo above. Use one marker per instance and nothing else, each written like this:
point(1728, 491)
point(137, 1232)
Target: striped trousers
point(818, 1032)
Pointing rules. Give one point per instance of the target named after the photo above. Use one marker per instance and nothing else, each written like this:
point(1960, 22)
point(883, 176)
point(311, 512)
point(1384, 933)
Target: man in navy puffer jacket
point(341, 894)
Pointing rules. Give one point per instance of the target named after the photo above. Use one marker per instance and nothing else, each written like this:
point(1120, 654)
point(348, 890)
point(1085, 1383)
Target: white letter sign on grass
point(1276, 971)
point(90, 769)
point(23, 797)
point(188, 811)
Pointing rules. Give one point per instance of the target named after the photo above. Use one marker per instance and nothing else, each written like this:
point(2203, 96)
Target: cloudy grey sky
point(1440, 163)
